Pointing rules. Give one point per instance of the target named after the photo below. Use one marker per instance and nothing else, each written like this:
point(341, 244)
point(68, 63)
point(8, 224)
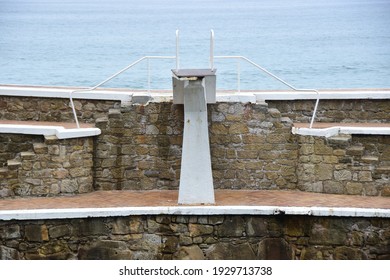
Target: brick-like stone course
point(197, 237)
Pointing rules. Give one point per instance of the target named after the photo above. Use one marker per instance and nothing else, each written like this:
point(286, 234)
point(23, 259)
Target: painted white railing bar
point(114, 76)
point(212, 49)
point(148, 58)
point(275, 77)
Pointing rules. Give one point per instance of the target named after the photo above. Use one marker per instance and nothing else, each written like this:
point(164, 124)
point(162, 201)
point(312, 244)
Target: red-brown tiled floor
point(104, 199)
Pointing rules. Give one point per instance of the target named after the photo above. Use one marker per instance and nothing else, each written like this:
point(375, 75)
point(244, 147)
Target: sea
point(321, 44)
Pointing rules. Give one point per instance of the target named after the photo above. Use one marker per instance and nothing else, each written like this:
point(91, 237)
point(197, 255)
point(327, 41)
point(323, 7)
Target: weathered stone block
point(343, 175)
point(40, 148)
point(275, 249)
point(200, 229)
point(27, 155)
point(306, 149)
point(228, 251)
point(312, 253)
point(354, 188)
point(348, 253)
point(238, 128)
point(170, 244)
point(59, 231)
point(232, 226)
point(328, 233)
point(189, 253)
point(69, 186)
point(10, 231)
point(333, 187)
point(7, 253)
point(105, 250)
point(321, 149)
point(365, 176)
point(256, 226)
point(37, 233)
point(324, 171)
point(355, 150)
point(88, 227)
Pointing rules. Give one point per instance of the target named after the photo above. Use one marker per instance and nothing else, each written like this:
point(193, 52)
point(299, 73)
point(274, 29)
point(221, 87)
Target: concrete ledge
point(64, 92)
point(332, 94)
point(329, 129)
point(126, 95)
point(47, 130)
point(70, 213)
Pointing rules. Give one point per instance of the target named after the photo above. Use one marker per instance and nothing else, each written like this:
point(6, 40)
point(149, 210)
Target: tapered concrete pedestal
point(196, 180)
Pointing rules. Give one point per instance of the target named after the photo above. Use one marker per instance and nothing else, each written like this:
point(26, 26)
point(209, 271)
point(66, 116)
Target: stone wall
point(345, 164)
point(49, 168)
point(251, 145)
point(351, 110)
point(11, 145)
point(197, 237)
point(36, 166)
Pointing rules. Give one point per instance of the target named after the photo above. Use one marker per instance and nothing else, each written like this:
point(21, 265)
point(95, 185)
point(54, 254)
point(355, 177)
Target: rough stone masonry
point(251, 144)
point(197, 237)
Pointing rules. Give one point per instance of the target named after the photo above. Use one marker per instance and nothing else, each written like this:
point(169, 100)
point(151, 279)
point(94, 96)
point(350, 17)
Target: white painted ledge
point(332, 131)
point(64, 92)
point(73, 213)
point(44, 130)
point(126, 95)
point(324, 94)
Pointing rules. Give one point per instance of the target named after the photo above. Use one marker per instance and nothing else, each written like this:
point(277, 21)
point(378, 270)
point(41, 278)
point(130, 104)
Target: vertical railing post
point(74, 110)
point(177, 50)
point(211, 49)
point(315, 110)
point(238, 76)
point(148, 60)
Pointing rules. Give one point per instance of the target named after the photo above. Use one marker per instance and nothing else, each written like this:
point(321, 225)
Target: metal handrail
point(275, 77)
point(123, 70)
point(112, 77)
point(212, 49)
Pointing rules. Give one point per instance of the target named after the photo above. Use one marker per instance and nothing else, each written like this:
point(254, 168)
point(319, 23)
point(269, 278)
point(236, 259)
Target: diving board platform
point(62, 130)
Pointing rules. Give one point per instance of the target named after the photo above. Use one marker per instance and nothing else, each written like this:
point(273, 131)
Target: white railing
point(239, 58)
point(148, 58)
point(211, 64)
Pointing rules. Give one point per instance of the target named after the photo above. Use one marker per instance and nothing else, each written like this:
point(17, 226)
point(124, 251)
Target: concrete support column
point(196, 180)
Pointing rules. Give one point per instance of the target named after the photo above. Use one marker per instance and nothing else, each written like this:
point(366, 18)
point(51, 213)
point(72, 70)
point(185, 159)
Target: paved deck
point(234, 202)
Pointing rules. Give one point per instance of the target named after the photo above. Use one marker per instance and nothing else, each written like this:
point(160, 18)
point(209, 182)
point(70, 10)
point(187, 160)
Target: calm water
point(308, 43)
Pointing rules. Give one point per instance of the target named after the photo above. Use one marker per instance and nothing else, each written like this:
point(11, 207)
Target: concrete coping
point(127, 95)
point(60, 130)
point(332, 129)
point(71, 213)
